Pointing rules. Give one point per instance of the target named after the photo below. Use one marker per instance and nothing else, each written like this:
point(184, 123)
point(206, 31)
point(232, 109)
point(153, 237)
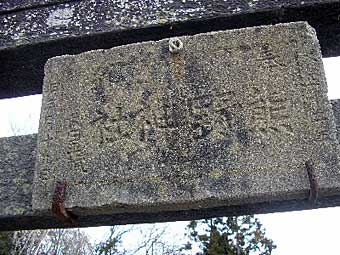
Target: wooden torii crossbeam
point(31, 33)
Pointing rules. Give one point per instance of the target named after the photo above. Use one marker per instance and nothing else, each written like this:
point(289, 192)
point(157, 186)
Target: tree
point(156, 239)
point(149, 240)
point(27, 242)
point(51, 242)
point(229, 236)
point(112, 245)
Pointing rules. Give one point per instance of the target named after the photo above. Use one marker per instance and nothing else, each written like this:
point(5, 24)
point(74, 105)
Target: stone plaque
point(231, 118)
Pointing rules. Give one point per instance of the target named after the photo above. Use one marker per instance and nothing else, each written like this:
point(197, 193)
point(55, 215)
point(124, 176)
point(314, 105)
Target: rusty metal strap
point(58, 207)
point(314, 186)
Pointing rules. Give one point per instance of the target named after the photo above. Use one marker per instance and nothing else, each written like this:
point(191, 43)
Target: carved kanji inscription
point(138, 128)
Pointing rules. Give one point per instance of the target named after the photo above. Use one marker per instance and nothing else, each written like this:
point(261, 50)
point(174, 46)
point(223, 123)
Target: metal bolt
point(175, 45)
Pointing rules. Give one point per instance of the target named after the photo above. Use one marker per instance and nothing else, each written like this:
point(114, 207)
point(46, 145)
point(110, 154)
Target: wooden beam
point(33, 31)
point(17, 162)
point(8, 6)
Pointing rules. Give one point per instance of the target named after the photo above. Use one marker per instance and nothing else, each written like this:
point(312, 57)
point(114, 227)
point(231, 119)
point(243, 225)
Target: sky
point(311, 232)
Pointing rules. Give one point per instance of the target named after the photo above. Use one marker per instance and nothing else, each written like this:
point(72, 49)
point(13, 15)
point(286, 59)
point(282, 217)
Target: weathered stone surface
point(17, 160)
point(229, 120)
point(33, 31)
point(7, 6)
point(336, 111)
point(25, 218)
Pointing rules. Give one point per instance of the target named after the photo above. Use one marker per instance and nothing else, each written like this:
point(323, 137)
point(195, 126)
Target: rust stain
point(177, 66)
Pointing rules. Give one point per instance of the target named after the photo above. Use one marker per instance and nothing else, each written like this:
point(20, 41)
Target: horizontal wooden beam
point(33, 31)
point(17, 160)
point(8, 6)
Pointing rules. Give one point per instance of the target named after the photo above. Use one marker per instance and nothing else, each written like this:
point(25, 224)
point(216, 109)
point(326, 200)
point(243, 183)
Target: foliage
point(229, 236)
point(111, 246)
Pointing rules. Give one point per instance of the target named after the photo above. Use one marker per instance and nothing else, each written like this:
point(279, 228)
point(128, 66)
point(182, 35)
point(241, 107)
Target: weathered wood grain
point(8, 6)
point(32, 33)
point(16, 174)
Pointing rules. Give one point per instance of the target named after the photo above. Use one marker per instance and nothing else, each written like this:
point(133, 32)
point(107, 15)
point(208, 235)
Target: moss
point(19, 211)
point(161, 191)
point(216, 174)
